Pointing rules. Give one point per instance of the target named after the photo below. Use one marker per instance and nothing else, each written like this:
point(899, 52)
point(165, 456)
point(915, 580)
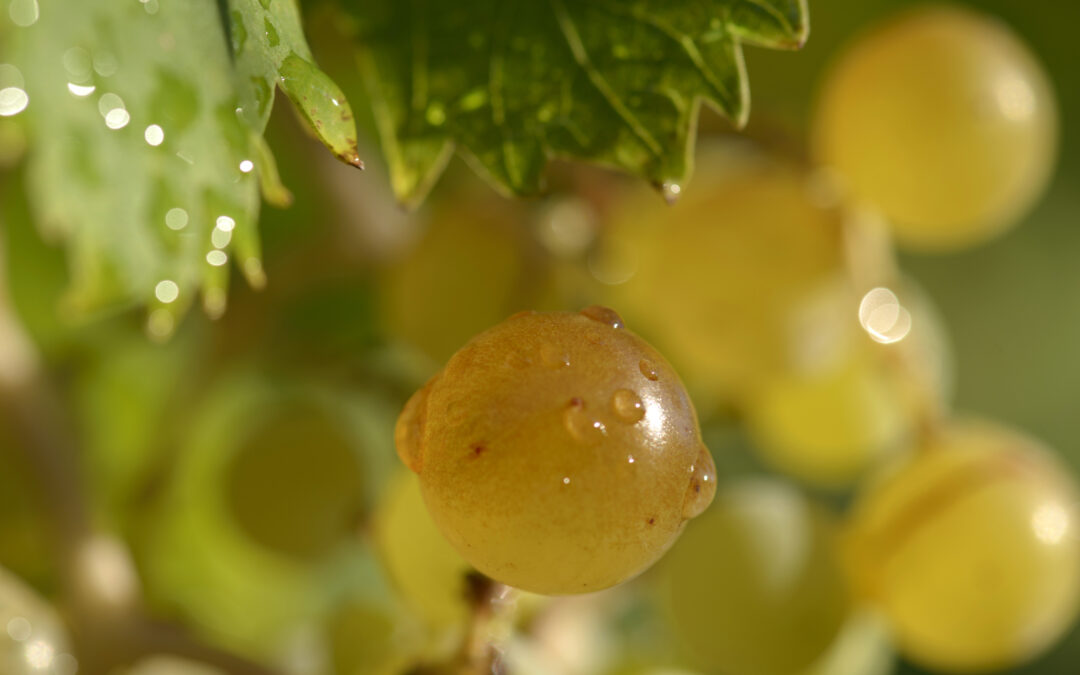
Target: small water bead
point(702, 485)
point(77, 63)
point(272, 37)
point(554, 358)
point(13, 101)
point(581, 425)
point(648, 370)
point(82, 91)
point(154, 135)
point(671, 191)
point(105, 63)
point(604, 315)
point(628, 407)
point(176, 218)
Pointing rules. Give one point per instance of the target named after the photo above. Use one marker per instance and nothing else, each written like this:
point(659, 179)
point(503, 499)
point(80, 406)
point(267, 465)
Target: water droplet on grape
point(648, 370)
point(628, 407)
point(581, 425)
point(603, 315)
point(553, 357)
point(702, 485)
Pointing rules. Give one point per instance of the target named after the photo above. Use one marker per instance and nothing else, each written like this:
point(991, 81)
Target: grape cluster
point(559, 453)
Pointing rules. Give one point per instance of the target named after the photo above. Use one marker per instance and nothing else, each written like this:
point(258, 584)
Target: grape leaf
point(512, 84)
point(146, 150)
point(269, 48)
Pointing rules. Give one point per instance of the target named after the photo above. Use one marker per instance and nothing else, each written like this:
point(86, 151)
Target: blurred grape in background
point(870, 292)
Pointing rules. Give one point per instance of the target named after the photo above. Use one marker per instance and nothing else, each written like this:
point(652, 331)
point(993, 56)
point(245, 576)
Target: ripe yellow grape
point(754, 586)
point(944, 120)
point(424, 567)
point(558, 452)
point(213, 557)
point(294, 484)
point(472, 266)
point(970, 548)
point(855, 392)
point(711, 279)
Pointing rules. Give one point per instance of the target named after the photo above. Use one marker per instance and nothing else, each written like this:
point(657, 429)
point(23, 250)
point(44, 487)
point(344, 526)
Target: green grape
point(294, 484)
point(944, 120)
point(711, 279)
point(970, 549)
point(855, 392)
point(424, 567)
point(558, 452)
point(473, 265)
point(365, 639)
point(755, 585)
point(32, 638)
point(212, 554)
point(863, 647)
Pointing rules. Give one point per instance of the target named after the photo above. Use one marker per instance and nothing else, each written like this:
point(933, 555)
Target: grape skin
point(716, 275)
point(754, 586)
point(943, 119)
point(848, 402)
point(970, 549)
point(558, 452)
point(425, 569)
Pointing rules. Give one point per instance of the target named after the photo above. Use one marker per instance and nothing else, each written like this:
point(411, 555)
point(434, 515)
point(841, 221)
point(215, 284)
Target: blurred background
point(229, 499)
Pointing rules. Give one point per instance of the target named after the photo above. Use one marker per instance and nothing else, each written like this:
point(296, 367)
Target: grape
point(364, 640)
point(32, 639)
point(711, 279)
point(558, 452)
point(944, 120)
point(424, 567)
point(294, 484)
point(213, 556)
point(863, 647)
point(472, 267)
point(754, 586)
point(854, 393)
point(970, 549)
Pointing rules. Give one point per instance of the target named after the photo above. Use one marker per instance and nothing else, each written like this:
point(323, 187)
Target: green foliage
point(513, 84)
point(147, 149)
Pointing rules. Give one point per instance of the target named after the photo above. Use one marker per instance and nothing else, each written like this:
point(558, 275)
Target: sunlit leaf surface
point(513, 84)
point(147, 149)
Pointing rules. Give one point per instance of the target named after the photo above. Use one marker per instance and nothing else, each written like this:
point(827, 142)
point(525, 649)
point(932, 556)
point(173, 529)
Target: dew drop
point(272, 37)
point(552, 357)
point(582, 426)
point(648, 370)
point(702, 486)
point(628, 407)
point(671, 191)
point(603, 315)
